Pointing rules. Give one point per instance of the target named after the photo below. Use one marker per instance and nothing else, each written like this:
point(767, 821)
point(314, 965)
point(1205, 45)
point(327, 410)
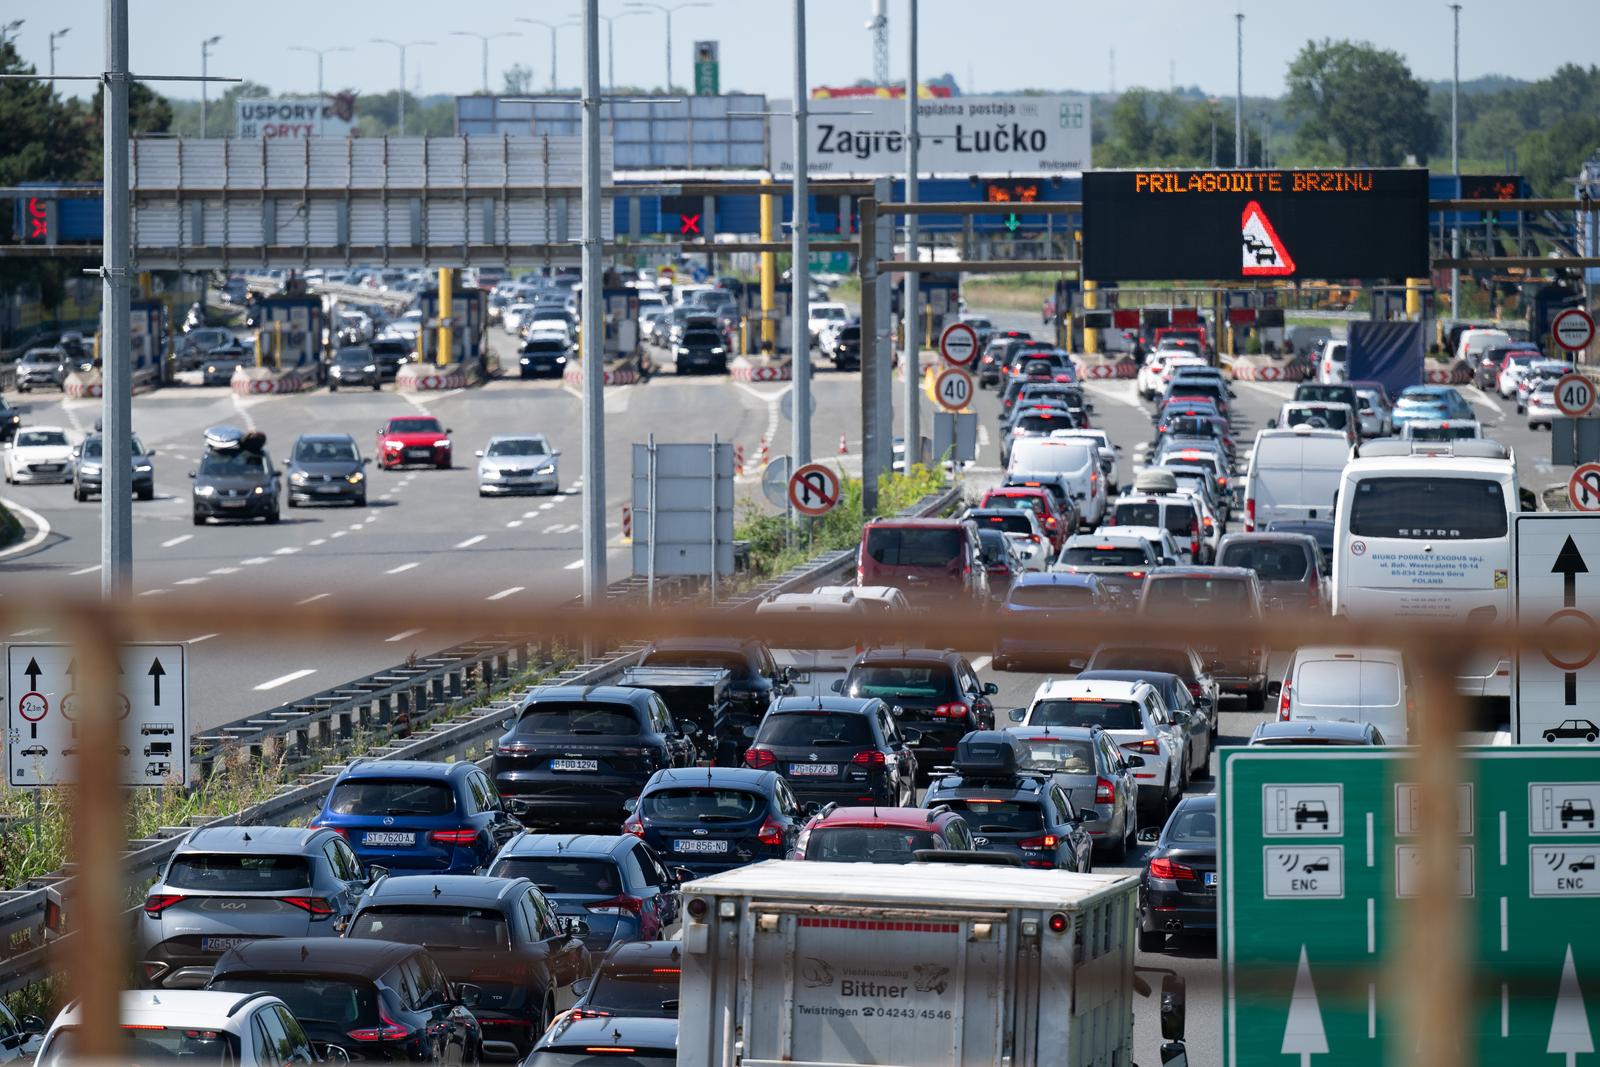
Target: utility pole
point(912, 424)
point(800, 268)
point(667, 10)
point(400, 98)
point(322, 98)
point(205, 57)
point(1455, 163)
point(611, 55)
point(593, 324)
point(1238, 91)
point(485, 38)
point(552, 27)
point(53, 38)
point(116, 417)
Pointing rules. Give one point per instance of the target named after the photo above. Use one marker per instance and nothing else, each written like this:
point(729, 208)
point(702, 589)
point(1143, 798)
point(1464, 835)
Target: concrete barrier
point(429, 377)
point(760, 369)
point(265, 381)
point(90, 384)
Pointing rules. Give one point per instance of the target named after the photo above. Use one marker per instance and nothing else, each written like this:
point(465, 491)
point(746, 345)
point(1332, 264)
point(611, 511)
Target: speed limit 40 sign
point(953, 389)
point(1574, 395)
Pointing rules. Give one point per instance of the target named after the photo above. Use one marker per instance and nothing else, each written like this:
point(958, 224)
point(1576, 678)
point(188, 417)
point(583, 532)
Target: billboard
point(669, 133)
point(294, 116)
point(960, 135)
point(1220, 225)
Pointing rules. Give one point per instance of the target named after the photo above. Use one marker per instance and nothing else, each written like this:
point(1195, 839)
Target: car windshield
point(806, 728)
point(238, 872)
point(1045, 422)
point(237, 464)
point(1033, 503)
point(1192, 826)
point(606, 1058)
point(308, 451)
point(993, 816)
point(358, 356)
point(92, 447)
point(434, 927)
point(567, 720)
point(1216, 594)
point(732, 662)
point(1138, 514)
point(391, 796)
point(1333, 418)
point(313, 998)
point(152, 1043)
point(1333, 394)
point(1060, 755)
point(649, 993)
point(903, 680)
point(42, 357)
point(867, 844)
point(518, 446)
point(701, 337)
point(1104, 556)
point(41, 438)
point(701, 804)
point(1087, 711)
point(1007, 523)
point(415, 426)
point(556, 875)
point(902, 546)
point(1272, 562)
point(1431, 508)
point(1051, 596)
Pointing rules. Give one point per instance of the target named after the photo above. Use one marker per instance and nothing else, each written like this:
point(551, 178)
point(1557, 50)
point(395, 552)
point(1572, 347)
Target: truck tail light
point(1104, 791)
point(759, 758)
point(1283, 703)
point(1164, 868)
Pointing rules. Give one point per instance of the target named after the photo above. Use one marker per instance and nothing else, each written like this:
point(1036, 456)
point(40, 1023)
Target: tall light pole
point(53, 37)
point(799, 269)
point(1238, 91)
point(9, 30)
point(611, 55)
point(1455, 162)
point(911, 361)
point(485, 38)
point(116, 417)
point(667, 10)
point(593, 319)
point(402, 46)
point(322, 98)
point(205, 58)
point(552, 27)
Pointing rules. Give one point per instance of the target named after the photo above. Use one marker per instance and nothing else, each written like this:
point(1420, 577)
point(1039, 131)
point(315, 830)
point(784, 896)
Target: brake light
point(464, 836)
point(633, 825)
point(156, 903)
point(870, 758)
point(1249, 514)
point(759, 758)
point(319, 907)
point(1136, 574)
point(515, 748)
point(1104, 791)
point(950, 711)
point(1148, 746)
point(771, 833)
point(1194, 689)
point(1047, 841)
point(1283, 703)
point(389, 1031)
point(341, 831)
point(1034, 538)
point(617, 905)
point(587, 1013)
point(1164, 868)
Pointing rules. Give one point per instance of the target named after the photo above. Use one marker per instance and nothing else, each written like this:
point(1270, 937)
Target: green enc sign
point(707, 69)
point(1319, 849)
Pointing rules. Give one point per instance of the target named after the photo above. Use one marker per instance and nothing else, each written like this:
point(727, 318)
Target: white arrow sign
point(1303, 1034)
point(1569, 1026)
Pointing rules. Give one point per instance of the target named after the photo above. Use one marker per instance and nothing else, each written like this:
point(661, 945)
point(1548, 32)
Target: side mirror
point(630, 805)
point(1272, 424)
point(1180, 717)
point(448, 430)
point(1133, 761)
point(1017, 714)
point(332, 1053)
point(555, 452)
point(1088, 815)
point(911, 734)
point(519, 807)
point(152, 452)
point(581, 986)
point(32, 1024)
point(479, 453)
point(467, 994)
point(1274, 689)
point(683, 874)
point(194, 474)
point(990, 689)
point(1174, 1006)
point(837, 685)
point(749, 733)
point(375, 872)
point(897, 711)
point(1149, 835)
point(1168, 561)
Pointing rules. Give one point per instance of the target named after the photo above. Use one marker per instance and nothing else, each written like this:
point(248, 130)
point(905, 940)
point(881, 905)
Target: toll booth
point(147, 341)
point(750, 309)
point(289, 332)
point(469, 315)
point(622, 321)
point(941, 296)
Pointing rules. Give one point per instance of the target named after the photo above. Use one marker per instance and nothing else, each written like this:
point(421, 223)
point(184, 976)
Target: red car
point(409, 440)
point(880, 835)
point(1057, 525)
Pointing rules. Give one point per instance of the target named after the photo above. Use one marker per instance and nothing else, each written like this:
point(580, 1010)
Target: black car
point(701, 349)
point(1320, 530)
point(614, 1039)
point(354, 366)
point(377, 1000)
point(837, 748)
point(499, 935)
point(544, 354)
point(390, 353)
point(754, 680)
point(575, 754)
point(1180, 660)
point(236, 478)
point(698, 695)
point(639, 979)
point(1012, 810)
point(1178, 887)
point(937, 691)
point(326, 469)
point(845, 348)
point(10, 420)
point(716, 818)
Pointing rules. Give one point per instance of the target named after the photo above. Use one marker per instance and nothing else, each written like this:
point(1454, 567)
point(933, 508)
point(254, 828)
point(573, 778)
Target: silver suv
point(227, 885)
point(42, 366)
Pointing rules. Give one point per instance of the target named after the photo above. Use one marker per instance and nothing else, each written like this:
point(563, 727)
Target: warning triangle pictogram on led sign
point(1263, 252)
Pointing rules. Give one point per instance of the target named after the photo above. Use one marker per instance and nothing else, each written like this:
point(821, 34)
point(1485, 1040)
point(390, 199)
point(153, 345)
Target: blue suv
point(717, 818)
point(409, 816)
point(613, 882)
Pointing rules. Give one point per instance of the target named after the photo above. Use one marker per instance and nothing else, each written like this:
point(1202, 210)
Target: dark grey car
point(87, 469)
point(354, 366)
point(1096, 776)
point(220, 363)
point(236, 478)
point(228, 885)
point(326, 469)
point(1289, 567)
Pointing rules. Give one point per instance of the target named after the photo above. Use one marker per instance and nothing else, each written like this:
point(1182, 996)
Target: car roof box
point(1155, 481)
point(987, 754)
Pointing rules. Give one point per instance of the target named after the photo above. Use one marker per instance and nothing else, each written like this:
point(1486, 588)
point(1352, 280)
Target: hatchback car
point(1197, 730)
point(226, 885)
point(1118, 558)
point(38, 454)
point(837, 748)
point(88, 468)
point(937, 691)
point(40, 367)
point(638, 979)
point(376, 1000)
point(1180, 660)
point(1020, 524)
point(880, 835)
point(574, 755)
point(518, 463)
point(241, 1029)
point(1042, 599)
point(1230, 592)
point(352, 367)
point(625, 1041)
point(1541, 405)
point(236, 478)
point(1289, 567)
point(1096, 775)
point(613, 882)
point(408, 815)
point(715, 818)
point(499, 936)
point(326, 469)
point(410, 440)
point(1178, 886)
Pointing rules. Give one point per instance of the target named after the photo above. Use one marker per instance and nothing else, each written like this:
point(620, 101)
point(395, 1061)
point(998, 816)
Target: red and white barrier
point(760, 370)
point(427, 378)
point(1268, 369)
point(620, 376)
point(266, 381)
point(1104, 370)
point(1456, 373)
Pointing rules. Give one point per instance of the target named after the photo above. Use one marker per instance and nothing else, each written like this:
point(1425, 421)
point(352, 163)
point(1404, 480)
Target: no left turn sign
point(1574, 395)
point(1583, 488)
point(1573, 329)
point(814, 490)
point(958, 344)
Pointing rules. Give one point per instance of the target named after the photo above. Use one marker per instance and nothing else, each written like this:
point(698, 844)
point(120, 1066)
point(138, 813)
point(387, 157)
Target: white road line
point(402, 635)
point(469, 542)
point(530, 514)
point(1372, 925)
point(546, 506)
point(416, 402)
point(286, 550)
point(1505, 1009)
point(982, 663)
point(502, 594)
point(224, 570)
point(155, 592)
point(1502, 839)
point(256, 561)
point(402, 568)
point(191, 581)
point(513, 524)
point(357, 525)
point(574, 565)
point(570, 527)
point(244, 412)
point(552, 528)
point(1505, 927)
point(86, 570)
point(41, 530)
point(174, 542)
point(311, 599)
point(33, 632)
point(319, 541)
point(285, 679)
point(197, 640)
point(338, 533)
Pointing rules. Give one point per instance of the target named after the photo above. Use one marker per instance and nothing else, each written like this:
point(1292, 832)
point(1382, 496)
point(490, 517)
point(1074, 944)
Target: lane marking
point(1369, 839)
point(285, 679)
point(402, 635)
point(552, 528)
point(41, 530)
point(981, 663)
point(1505, 927)
point(1502, 839)
point(529, 514)
point(469, 542)
point(244, 412)
point(546, 506)
point(338, 533)
point(1372, 925)
point(574, 565)
point(86, 570)
point(155, 592)
point(174, 542)
point(311, 599)
point(570, 527)
point(256, 561)
point(191, 581)
point(224, 570)
point(197, 640)
point(513, 524)
point(402, 568)
point(286, 550)
point(357, 525)
point(33, 632)
point(319, 541)
point(502, 594)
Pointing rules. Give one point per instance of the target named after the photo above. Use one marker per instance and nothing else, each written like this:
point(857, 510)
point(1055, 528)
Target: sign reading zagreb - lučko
point(1219, 225)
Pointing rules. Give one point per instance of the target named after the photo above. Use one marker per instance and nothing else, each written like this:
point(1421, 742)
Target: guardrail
point(31, 917)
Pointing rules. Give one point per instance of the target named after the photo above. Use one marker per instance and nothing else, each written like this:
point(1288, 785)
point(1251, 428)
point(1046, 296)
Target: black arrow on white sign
point(33, 673)
point(156, 671)
point(1569, 564)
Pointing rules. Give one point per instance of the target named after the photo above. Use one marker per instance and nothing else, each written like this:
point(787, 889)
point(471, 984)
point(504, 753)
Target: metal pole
point(205, 47)
point(116, 501)
point(593, 322)
point(650, 555)
point(911, 361)
point(867, 268)
point(611, 55)
point(553, 84)
point(713, 583)
point(486, 64)
point(322, 110)
point(669, 50)
point(402, 96)
point(1238, 92)
point(1455, 163)
point(799, 270)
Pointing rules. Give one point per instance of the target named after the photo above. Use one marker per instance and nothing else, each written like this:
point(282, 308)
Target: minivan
point(926, 559)
point(1070, 464)
point(1366, 685)
point(1293, 474)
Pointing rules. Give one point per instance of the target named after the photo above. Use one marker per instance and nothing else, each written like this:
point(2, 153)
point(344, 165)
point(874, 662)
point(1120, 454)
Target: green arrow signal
point(1012, 222)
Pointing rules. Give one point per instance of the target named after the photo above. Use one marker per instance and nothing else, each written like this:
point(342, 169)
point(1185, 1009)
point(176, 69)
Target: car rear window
point(1332, 418)
point(392, 796)
point(1007, 523)
point(1331, 394)
point(703, 805)
point(1059, 755)
point(1104, 556)
point(1272, 562)
point(1004, 500)
point(238, 873)
point(1455, 431)
point(1043, 424)
point(804, 728)
point(1138, 515)
point(900, 546)
point(570, 720)
point(340, 1002)
point(559, 875)
point(731, 662)
point(1225, 594)
point(1432, 508)
point(1180, 520)
point(650, 993)
point(867, 844)
point(1051, 596)
point(153, 1044)
point(929, 681)
point(998, 816)
point(1165, 661)
point(1193, 827)
point(1107, 714)
point(1349, 683)
point(450, 928)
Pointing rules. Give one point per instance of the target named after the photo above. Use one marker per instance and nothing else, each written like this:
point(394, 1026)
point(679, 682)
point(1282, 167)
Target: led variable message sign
point(1217, 225)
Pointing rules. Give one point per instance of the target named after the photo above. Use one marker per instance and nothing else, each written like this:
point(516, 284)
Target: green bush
point(10, 528)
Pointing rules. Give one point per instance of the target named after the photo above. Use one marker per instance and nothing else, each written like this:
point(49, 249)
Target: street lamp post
point(611, 56)
point(205, 58)
point(53, 37)
point(485, 38)
point(322, 108)
point(1455, 163)
point(402, 46)
point(9, 30)
point(552, 27)
point(667, 10)
point(1238, 91)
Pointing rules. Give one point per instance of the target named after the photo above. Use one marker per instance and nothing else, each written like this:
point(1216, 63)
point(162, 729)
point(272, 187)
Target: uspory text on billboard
point(294, 116)
point(959, 135)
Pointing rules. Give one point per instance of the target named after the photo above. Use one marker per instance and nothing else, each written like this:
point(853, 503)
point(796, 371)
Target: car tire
point(1118, 853)
point(1256, 698)
point(292, 502)
point(199, 519)
point(77, 494)
point(443, 464)
point(333, 387)
point(361, 501)
point(1152, 940)
point(273, 516)
point(376, 386)
point(146, 494)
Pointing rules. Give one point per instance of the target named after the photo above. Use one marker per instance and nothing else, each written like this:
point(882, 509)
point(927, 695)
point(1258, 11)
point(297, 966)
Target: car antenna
point(247, 835)
point(436, 892)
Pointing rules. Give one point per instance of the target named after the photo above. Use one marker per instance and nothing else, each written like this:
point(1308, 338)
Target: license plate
point(419, 453)
point(327, 488)
point(48, 467)
point(234, 503)
point(221, 944)
point(1211, 879)
point(699, 846)
point(388, 837)
point(813, 770)
point(574, 765)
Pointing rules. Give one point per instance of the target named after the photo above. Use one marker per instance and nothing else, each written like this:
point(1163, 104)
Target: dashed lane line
point(312, 599)
point(473, 540)
point(285, 679)
point(402, 635)
point(86, 570)
point(403, 568)
point(574, 565)
point(174, 542)
point(502, 594)
point(197, 640)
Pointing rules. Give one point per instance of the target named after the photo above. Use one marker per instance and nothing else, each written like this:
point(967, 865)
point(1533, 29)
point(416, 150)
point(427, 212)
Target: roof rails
point(1465, 448)
point(248, 998)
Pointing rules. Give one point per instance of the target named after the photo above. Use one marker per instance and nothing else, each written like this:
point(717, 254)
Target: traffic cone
point(627, 525)
point(763, 453)
point(844, 449)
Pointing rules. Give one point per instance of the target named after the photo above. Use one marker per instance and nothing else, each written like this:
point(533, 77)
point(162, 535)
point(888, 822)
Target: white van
point(1333, 368)
point(815, 669)
point(1071, 463)
point(1423, 530)
point(1293, 474)
point(1366, 685)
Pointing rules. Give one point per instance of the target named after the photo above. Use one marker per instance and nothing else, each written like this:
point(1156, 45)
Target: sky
point(993, 46)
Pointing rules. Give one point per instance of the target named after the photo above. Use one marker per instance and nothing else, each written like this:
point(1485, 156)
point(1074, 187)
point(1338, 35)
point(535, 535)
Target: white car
point(1542, 405)
point(513, 318)
point(518, 463)
point(240, 1029)
point(1333, 368)
point(1159, 367)
point(550, 327)
point(407, 326)
point(1348, 685)
point(39, 454)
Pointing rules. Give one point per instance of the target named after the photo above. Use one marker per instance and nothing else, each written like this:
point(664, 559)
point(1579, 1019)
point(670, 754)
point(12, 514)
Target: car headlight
point(443, 442)
point(355, 477)
point(488, 474)
point(370, 367)
point(526, 360)
point(393, 445)
point(548, 468)
point(336, 371)
point(561, 359)
point(717, 351)
point(682, 351)
point(259, 490)
point(211, 368)
point(141, 468)
point(204, 490)
point(298, 478)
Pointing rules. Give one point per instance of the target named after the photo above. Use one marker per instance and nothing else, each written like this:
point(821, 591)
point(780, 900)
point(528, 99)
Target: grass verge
point(10, 527)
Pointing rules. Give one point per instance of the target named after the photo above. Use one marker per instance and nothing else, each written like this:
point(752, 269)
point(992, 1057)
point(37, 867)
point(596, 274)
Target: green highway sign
point(1319, 849)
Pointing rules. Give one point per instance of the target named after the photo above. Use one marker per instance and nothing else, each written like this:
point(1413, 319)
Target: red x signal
point(689, 224)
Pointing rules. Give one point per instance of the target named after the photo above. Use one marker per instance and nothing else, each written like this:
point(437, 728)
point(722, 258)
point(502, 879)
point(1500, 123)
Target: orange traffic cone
point(738, 461)
point(844, 449)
